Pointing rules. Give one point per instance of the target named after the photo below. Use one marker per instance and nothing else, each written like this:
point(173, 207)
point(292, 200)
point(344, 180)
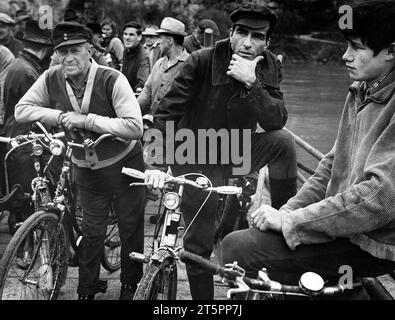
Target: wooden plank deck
point(68, 292)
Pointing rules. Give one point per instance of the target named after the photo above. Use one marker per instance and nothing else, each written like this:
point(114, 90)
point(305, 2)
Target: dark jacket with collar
point(136, 66)
point(191, 44)
point(203, 96)
point(24, 72)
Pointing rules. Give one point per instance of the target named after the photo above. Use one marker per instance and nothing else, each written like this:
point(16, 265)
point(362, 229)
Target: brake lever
point(138, 184)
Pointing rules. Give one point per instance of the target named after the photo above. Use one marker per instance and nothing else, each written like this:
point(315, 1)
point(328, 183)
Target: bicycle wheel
point(159, 281)
point(34, 264)
point(111, 259)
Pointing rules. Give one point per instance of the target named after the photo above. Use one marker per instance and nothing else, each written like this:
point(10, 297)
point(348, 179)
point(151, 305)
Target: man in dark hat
point(233, 85)
point(21, 17)
point(89, 100)
point(23, 73)
point(136, 64)
point(7, 37)
point(204, 35)
point(70, 15)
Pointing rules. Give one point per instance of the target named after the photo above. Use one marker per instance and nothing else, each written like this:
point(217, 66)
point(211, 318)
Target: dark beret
point(68, 33)
point(253, 16)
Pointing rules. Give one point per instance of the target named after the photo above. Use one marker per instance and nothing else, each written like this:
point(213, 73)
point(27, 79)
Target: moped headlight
point(311, 283)
point(171, 200)
point(56, 147)
point(37, 149)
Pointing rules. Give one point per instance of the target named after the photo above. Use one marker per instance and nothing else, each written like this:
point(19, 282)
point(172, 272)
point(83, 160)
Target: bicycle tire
point(25, 278)
point(111, 258)
point(152, 286)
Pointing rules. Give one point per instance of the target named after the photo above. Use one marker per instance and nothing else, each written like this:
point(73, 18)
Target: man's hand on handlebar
point(266, 218)
point(155, 178)
point(72, 120)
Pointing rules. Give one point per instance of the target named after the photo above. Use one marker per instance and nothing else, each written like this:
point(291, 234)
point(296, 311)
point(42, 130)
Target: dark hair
point(133, 24)
point(374, 23)
point(111, 23)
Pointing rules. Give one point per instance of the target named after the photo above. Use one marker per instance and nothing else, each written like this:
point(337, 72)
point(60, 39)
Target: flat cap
point(253, 16)
point(35, 34)
point(68, 33)
point(172, 26)
point(6, 19)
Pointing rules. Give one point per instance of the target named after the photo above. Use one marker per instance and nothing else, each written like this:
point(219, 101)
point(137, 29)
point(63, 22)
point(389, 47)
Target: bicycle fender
point(161, 255)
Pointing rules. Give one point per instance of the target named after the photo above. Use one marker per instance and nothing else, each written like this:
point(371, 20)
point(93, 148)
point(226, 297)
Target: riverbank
point(307, 49)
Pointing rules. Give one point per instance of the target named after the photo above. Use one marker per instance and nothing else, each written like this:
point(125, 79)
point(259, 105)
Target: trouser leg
point(95, 206)
point(97, 189)
point(277, 150)
point(199, 236)
point(254, 249)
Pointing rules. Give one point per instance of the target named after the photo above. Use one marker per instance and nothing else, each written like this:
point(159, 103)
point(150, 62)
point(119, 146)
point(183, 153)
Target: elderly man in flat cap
point(89, 100)
point(7, 36)
point(233, 85)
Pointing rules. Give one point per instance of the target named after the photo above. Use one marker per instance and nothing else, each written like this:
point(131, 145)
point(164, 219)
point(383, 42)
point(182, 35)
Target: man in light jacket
point(344, 215)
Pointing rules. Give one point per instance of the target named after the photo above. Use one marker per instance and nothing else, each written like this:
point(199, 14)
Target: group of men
point(343, 215)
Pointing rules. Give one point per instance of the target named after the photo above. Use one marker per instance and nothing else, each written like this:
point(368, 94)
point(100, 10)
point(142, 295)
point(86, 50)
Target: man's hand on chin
point(243, 70)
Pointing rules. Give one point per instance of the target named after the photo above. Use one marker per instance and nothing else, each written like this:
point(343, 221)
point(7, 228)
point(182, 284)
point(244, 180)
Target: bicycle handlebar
point(180, 180)
point(234, 272)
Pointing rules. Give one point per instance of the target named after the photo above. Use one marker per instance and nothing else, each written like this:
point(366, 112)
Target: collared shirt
point(79, 90)
point(159, 81)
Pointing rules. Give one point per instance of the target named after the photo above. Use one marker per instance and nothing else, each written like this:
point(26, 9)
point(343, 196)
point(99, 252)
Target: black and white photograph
point(202, 152)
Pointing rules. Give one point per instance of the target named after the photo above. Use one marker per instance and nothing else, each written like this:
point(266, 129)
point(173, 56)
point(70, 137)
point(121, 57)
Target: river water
point(314, 96)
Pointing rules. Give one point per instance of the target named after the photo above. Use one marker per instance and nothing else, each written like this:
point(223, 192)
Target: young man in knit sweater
point(89, 100)
point(344, 215)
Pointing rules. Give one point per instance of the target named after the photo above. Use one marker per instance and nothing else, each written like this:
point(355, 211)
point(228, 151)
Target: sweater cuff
point(290, 235)
point(90, 121)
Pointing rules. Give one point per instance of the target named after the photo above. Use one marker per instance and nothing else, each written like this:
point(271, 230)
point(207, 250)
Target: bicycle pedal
point(102, 286)
point(153, 219)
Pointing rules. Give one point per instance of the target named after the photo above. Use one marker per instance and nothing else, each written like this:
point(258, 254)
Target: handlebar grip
point(209, 266)
point(229, 190)
point(58, 135)
point(5, 139)
point(133, 173)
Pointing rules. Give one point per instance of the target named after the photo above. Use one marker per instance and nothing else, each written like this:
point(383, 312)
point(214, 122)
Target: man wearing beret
point(233, 85)
point(89, 100)
point(6, 34)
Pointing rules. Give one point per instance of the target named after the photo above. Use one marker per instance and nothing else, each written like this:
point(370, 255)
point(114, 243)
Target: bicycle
point(159, 280)
point(311, 285)
point(35, 262)
point(17, 201)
